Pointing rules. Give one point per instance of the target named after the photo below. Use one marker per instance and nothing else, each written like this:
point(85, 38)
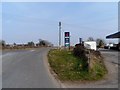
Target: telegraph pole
point(59, 35)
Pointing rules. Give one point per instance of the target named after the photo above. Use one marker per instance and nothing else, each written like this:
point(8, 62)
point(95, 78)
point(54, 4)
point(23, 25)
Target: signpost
point(80, 40)
point(67, 40)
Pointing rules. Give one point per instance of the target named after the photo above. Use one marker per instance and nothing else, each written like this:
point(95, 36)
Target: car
point(118, 46)
point(108, 46)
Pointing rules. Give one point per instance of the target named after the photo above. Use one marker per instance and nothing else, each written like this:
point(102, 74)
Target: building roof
point(115, 35)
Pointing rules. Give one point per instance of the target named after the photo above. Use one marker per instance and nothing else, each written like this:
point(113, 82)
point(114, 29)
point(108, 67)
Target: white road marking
point(32, 50)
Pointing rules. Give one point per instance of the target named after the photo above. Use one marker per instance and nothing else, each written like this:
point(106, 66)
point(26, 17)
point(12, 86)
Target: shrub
point(79, 51)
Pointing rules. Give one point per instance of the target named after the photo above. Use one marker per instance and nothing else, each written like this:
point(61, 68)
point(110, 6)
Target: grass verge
point(68, 67)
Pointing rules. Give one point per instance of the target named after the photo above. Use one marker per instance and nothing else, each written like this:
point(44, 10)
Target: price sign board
point(67, 39)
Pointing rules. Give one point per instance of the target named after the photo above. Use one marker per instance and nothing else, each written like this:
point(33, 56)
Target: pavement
point(110, 80)
point(26, 69)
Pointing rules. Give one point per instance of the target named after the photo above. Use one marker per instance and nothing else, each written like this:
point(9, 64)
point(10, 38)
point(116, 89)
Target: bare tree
point(0, 42)
point(44, 43)
point(14, 44)
point(31, 44)
point(100, 42)
point(3, 43)
point(90, 39)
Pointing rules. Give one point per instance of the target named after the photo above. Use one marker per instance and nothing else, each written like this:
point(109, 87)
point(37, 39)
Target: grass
point(68, 67)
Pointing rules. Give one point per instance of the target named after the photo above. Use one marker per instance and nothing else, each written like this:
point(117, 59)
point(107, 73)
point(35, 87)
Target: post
point(59, 35)
point(89, 61)
point(80, 40)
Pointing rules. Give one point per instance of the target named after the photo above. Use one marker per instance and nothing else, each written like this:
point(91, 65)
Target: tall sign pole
point(59, 35)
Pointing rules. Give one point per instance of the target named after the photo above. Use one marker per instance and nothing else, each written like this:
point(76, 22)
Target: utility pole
point(59, 35)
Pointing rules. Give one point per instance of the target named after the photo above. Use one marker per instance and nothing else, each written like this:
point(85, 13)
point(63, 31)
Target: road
point(110, 80)
point(111, 58)
point(26, 69)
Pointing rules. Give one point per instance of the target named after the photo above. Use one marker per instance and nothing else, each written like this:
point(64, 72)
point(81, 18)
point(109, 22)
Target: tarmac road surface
point(26, 69)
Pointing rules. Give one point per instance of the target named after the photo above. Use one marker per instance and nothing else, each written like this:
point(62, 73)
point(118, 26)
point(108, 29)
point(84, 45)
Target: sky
point(30, 21)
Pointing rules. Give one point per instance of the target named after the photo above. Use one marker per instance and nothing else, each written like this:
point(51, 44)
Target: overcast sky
point(23, 22)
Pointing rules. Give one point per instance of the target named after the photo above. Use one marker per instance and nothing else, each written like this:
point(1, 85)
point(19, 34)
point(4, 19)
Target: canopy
point(115, 35)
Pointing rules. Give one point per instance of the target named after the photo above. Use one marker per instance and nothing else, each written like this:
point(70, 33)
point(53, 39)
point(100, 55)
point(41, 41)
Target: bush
point(79, 51)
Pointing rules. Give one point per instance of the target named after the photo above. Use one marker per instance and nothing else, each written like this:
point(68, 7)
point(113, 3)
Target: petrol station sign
point(67, 39)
